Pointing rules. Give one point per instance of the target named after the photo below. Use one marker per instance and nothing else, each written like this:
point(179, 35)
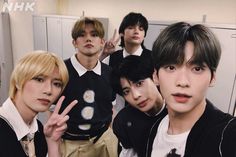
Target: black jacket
point(213, 135)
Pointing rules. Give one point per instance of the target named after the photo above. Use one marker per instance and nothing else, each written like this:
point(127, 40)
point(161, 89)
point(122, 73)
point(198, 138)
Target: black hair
point(169, 46)
point(133, 68)
point(133, 19)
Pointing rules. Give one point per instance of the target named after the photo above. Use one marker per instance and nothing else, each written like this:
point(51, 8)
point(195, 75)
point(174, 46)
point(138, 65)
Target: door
point(222, 92)
point(40, 32)
point(54, 32)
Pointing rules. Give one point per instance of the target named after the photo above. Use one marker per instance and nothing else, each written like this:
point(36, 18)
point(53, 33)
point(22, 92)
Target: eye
point(139, 83)
point(58, 84)
point(169, 68)
point(141, 28)
point(198, 69)
point(94, 34)
point(81, 35)
point(125, 92)
point(38, 78)
point(130, 27)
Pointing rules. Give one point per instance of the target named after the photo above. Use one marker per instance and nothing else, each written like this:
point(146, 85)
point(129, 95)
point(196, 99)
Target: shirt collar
point(82, 70)
point(9, 112)
point(138, 52)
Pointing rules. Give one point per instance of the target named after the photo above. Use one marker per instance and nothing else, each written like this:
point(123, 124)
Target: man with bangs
point(133, 79)
point(36, 82)
point(186, 58)
point(89, 133)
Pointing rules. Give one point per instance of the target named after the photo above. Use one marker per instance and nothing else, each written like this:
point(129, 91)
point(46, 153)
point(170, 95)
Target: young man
point(186, 58)
point(133, 80)
point(132, 30)
point(36, 82)
point(88, 131)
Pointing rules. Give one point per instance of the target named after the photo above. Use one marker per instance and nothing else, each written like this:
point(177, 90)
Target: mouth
point(44, 101)
point(142, 104)
point(135, 37)
point(181, 98)
point(88, 46)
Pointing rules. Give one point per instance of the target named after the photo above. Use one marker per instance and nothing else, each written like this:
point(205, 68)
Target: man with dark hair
point(186, 58)
point(133, 79)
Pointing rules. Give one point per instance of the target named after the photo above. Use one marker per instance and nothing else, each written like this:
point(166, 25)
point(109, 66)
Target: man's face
point(142, 94)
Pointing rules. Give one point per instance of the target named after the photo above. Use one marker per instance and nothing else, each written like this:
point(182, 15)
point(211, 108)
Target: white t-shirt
point(164, 144)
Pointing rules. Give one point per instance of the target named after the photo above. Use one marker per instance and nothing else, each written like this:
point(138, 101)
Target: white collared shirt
point(82, 70)
point(138, 52)
point(11, 114)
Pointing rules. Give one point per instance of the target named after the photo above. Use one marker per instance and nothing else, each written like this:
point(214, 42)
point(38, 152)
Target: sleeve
point(120, 130)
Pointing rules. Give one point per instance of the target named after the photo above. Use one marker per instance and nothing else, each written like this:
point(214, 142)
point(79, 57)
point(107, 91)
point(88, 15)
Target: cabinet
point(223, 94)
point(53, 33)
point(6, 57)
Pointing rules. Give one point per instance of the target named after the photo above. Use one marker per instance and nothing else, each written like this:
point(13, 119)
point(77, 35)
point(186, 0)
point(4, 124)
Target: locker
point(6, 57)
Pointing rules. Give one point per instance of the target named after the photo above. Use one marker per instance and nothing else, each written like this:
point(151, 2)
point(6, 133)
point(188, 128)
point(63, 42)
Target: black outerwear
point(11, 147)
point(117, 57)
point(132, 128)
point(213, 135)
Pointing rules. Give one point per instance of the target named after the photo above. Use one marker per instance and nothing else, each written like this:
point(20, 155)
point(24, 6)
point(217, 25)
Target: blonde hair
point(34, 64)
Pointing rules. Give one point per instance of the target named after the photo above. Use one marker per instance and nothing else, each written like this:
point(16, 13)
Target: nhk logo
point(18, 6)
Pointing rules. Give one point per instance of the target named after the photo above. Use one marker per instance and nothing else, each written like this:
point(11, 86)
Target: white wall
point(21, 24)
point(217, 11)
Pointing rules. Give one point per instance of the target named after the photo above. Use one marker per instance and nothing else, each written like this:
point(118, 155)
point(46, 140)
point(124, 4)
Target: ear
point(74, 43)
point(121, 34)
point(155, 77)
point(103, 42)
point(213, 80)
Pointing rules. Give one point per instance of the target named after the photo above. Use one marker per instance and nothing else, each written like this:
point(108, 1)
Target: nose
point(136, 29)
point(88, 38)
point(47, 88)
point(135, 93)
point(182, 79)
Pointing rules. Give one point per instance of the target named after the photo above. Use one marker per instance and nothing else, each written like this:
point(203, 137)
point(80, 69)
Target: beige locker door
point(222, 93)
point(54, 31)
point(40, 32)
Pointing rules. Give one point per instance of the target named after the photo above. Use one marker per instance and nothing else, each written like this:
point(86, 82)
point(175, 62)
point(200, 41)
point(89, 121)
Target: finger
point(58, 105)
point(69, 107)
point(61, 129)
point(114, 35)
point(117, 40)
point(63, 120)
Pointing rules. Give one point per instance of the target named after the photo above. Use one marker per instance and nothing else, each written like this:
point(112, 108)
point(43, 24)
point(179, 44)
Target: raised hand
point(110, 45)
point(56, 124)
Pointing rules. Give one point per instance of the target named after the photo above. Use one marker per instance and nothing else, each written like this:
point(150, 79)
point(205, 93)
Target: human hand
point(56, 124)
point(110, 45)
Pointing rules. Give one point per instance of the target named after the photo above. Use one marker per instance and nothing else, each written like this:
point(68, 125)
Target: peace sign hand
point(110, 45)
point(56, 124)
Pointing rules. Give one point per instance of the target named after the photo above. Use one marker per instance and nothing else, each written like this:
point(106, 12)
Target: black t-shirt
point(132, 128)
